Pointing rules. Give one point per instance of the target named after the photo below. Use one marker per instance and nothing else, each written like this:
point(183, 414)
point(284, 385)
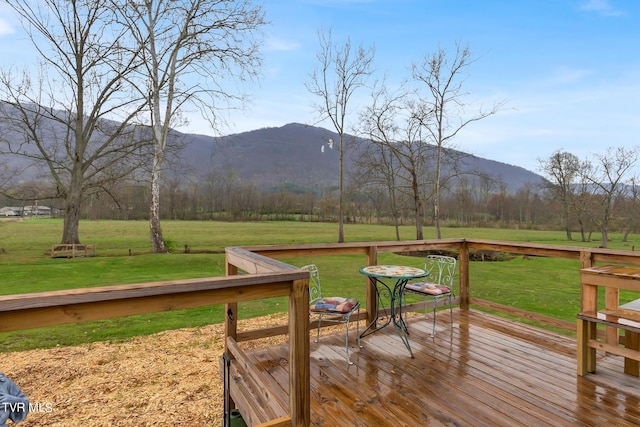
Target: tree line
point(598, 195)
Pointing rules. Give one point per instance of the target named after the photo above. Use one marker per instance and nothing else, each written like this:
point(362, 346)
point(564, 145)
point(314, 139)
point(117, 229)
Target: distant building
point(10, 211)
point(35, 210)
point(32, 210)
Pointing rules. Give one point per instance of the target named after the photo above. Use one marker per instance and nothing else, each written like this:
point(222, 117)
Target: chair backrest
point(440, 269)
point(315, 293)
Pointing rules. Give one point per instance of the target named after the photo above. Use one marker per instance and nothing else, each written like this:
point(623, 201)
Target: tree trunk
point(567, 219)
point(71, 219)
point(568, 230)
point(341, 195)
point(72, 205)
point(157, 240)
point(394, 212)
point(436, 198)
point(418, 208)
point(436, 218)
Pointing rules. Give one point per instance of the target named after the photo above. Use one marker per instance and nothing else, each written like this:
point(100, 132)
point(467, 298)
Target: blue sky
point(569, 70)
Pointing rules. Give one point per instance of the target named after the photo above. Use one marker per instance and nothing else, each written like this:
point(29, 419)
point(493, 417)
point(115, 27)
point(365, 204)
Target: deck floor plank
point(495, 357)
point(485, 371)
point(487, 364)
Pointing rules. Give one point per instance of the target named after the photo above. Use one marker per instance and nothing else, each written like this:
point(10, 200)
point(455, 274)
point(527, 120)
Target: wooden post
point(372, 296)
point(611, 302)
point(631, 341)
point(586, 259)
point(299, 359)
point(463, 265)
point(586, 330)
point(231, 311)
point(589, 294)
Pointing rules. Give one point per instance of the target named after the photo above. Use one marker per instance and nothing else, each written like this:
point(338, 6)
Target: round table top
point(393, 271)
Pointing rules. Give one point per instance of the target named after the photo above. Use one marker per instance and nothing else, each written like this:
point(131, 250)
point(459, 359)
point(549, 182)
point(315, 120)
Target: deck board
point(485, 371)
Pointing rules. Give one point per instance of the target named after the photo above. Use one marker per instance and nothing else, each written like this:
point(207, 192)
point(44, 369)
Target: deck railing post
point(371, 298)
point(230, 322)
point(231, 311)
point(611, 298)
point(299, 358)
point(463, 263)
point(587, 302)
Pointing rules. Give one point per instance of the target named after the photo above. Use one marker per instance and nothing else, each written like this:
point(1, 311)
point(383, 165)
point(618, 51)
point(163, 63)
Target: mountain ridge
point(300, 154)
point(294, 154)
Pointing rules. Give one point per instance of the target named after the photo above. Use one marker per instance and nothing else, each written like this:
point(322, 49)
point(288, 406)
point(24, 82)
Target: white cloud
point(7, 20)
point(603, 7)
point(566, 75)
point(277, 44)
point(5, 27)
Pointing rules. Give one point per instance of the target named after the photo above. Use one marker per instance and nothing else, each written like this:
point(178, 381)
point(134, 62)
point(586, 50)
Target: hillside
point(294, 154)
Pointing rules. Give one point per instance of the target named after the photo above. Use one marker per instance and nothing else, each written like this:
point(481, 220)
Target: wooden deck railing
point(266, 277)
point(370, 250)
point(587, 257)
point(269, 278)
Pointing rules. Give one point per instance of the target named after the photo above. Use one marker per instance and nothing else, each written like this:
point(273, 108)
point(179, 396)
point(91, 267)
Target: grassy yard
point(549, 286)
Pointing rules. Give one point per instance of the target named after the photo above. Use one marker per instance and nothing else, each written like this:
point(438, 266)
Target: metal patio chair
point(437, 284)
point(337, 309)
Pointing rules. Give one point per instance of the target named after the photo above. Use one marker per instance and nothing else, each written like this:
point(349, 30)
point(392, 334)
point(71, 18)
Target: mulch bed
point(167, 379)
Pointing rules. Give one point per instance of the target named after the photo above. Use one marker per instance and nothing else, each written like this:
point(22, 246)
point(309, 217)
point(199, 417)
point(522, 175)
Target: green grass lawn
point(544, 285)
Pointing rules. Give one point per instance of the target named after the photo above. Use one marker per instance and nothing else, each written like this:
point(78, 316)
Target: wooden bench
point(614, 317)
point(72, 250)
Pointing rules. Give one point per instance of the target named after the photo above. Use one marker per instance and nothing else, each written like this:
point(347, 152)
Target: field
point(123, 256)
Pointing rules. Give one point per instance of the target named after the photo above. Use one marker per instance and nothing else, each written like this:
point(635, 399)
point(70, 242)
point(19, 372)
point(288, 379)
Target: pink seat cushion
point(428, 288)
point(334, 305)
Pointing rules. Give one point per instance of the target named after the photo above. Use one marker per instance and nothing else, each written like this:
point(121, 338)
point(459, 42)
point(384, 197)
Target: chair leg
point(451, 309)
point(318, 332)
point(435, 304)
point(424, 299)
point(358, 332)
point(346, 340)
point(358, 329)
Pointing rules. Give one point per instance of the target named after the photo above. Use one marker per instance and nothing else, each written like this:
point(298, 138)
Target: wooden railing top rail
point(24, 311)
point(559, 251)
point(254, 263)
point(536, 249)
point(350, 248)
point(138, 290)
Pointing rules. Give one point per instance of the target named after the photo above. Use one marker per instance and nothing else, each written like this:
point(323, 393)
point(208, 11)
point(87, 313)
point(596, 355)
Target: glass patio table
point(381, 278)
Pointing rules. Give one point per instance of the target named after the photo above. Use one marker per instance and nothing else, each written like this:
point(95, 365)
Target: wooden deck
point(485, 371)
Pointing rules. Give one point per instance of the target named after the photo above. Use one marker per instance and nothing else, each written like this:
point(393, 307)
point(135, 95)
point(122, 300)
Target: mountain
point(300, 154)
point(270, 156)
point(295, 154)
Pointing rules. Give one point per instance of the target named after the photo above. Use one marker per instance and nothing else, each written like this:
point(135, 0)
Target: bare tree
point(341, 72)
point(65, 122)
point(631, 212)
point(606, 177)
point(584, 206)
point(190, 50)
point(378, 160)
point(441, 111)
point(401, 155)
point(562, 169)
